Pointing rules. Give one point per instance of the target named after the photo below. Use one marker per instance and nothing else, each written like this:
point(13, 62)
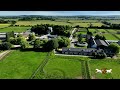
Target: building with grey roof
point(79, 51)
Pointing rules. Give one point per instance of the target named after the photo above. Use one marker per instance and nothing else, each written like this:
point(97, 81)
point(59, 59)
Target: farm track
point(4, 54)
point(86, 74)
point(83, 69)
point(40, 68)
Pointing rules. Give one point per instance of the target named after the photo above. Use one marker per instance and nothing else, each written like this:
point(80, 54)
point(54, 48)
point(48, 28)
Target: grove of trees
point(57, 29)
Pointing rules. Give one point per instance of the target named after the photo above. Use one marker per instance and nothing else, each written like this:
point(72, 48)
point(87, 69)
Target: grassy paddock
point(4, 25)
point(15, 29)
point(20, 65)
point(68, 66)
point(100, 64)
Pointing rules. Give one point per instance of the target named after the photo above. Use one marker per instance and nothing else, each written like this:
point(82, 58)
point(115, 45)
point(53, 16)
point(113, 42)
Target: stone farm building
point(80, 51)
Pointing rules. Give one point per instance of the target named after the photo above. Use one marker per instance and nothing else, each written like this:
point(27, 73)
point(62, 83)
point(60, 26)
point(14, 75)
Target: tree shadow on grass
point(32, 49)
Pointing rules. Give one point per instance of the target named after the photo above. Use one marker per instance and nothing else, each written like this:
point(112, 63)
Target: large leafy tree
point(51, 44)
point(114, 47)
point(63, 41)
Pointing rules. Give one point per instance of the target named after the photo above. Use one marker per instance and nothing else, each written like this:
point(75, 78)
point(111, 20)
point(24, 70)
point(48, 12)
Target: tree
point(8, 35)
point(100, 37)
point(24, 44)
point(5, 46)
point(51, 44)
point(19, 35)
point(31, 37)
point(114, 48)
point(37, 44)
point(63, 41)
point(80, 37)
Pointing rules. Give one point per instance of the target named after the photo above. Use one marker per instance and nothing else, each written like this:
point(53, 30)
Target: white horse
point(109, 71)
point(98, 71)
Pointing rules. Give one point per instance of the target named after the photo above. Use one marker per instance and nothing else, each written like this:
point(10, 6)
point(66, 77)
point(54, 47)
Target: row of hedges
point(39, 71)
point(88, 71)
point(83, 68)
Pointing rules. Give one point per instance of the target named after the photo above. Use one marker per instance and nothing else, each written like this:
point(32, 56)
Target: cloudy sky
point(61, 13)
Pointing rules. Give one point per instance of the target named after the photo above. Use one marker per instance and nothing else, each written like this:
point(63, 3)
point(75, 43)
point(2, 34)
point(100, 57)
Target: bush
point(5, 46)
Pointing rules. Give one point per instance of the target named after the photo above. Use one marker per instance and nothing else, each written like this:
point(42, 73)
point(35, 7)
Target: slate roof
point(78, 49)
point(101, 42)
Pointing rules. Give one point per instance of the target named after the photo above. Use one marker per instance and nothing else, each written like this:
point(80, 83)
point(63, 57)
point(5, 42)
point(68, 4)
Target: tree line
point(63, 30)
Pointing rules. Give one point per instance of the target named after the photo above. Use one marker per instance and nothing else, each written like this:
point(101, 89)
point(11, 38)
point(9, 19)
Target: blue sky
point(61, 13)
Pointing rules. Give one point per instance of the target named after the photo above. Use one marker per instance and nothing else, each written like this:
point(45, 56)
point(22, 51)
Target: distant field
point(103, 32)
point(41, 22)
point(97, 24)
point(11, 19)
point(60, 22)
point(4, 25)
point(15, 29)
point(118, 35)
point(114, 21)
point(110, 37)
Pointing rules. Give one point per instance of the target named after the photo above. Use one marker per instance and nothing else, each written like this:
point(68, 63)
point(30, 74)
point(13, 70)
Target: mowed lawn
point(64, 65)
point(4, 25)
point(100, 64)
point(15, 29)
point(20, 65)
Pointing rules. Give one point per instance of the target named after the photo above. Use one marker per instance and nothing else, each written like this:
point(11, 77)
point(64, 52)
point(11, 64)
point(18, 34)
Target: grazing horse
point(98, 71)
point(109, 71)
point(104, 70)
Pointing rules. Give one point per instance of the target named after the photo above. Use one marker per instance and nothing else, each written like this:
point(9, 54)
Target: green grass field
point(107, 35)
point(112, 31)
point(20, 65)
point(41, 22)
point(60, 22)
point(15, 29)
point(100, 64)
point(69, 67)
point(110, 37)
point(4, 25)
point(114, 21)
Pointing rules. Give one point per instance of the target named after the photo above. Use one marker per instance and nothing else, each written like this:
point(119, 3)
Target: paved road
point(72, 55)
point(71, 38)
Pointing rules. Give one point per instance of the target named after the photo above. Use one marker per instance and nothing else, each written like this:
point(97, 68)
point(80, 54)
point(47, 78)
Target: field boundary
point(112, 34)
point(41, 66)
point(4, 54)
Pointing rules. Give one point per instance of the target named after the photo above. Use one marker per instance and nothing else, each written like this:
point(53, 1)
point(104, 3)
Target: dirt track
point(4, 53)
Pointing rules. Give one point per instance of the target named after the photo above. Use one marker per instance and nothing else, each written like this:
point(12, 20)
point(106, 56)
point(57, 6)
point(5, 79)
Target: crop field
point(15, 29)
point(112, 31)
point(4, 25)
point(118, 35)
point(114, 21)
point(41, 22)
point(60, 22)
point(97, 24)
